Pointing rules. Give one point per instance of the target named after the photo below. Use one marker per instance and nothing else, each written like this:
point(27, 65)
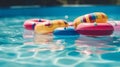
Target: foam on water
point(19, 47)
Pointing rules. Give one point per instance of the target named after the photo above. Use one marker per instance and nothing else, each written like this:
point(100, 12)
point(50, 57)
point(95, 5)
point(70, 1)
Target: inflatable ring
point(30, 24)
point(69, 31)
point(89, 29)
point(49, 27)
point(98, 17)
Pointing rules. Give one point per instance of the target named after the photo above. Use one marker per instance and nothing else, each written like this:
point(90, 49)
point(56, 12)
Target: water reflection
point(45, 41)
point(96, 45)
point(83, 44)
point(72, 46)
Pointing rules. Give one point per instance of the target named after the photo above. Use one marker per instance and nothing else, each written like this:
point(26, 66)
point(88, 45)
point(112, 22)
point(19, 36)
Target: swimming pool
point(20, 48)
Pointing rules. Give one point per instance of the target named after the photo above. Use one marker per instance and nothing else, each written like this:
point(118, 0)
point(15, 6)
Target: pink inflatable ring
point(30, 24)
point(91, 29)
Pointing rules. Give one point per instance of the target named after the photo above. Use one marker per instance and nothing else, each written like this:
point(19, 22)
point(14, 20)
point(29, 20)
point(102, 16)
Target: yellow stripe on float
point(98, 15)
point(105, 16)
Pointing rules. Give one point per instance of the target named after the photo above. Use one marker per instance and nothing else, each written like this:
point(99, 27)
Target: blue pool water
point(23, 48)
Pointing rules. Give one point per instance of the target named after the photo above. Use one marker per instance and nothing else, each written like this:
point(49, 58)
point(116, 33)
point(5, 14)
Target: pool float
point(93, 24)
point(90, 29)
point(49, 27)
point(98, 17)
point(65, 31)
point(30, 24)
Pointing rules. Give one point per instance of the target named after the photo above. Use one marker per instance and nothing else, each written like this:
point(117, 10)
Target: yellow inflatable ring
point(49, 27)
point(98, 17)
